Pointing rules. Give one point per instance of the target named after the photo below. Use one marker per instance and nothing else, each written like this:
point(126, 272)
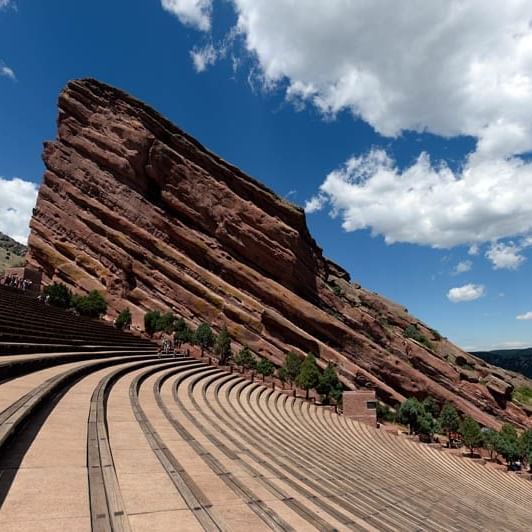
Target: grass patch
point(523, 395)
point(413, 332)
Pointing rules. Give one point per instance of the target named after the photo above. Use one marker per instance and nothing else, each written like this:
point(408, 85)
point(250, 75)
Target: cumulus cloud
point(7, 72)
point(462, 267)
point(17, 199)
point(430, 204)
point(468, 292)
point(505, 256)
point(527, 316)
point(315, 203)
point(195, 13)
point(450, 67)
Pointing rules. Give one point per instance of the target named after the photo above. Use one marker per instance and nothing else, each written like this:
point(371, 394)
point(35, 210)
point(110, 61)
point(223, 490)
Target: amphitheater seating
point(24, 320)
point(122, 440)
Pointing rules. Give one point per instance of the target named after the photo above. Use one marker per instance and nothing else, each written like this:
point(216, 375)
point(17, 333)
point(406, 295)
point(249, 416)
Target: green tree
point(471, 434)
point(58, 295)
point(525, 447)
point(204, 337)
point(449, 420)
point(92, 305)
point(282, 375)
point(151, 320)
point(166, 322)
point(265, 368)
point(337, 395)
point(123, 319)
point(292, 364)
point(508, 443)
point(410, 413)
point(328, 382)
point(222, 346)
point(426, 425)
point(431, 406)
point(309, 374)
point(384, 413)
point(246, 359)
point(490, 437)
point(182, 333)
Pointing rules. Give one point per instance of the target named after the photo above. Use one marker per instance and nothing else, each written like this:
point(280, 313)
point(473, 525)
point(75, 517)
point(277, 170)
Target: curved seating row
point(134, 442)
point(24, 320)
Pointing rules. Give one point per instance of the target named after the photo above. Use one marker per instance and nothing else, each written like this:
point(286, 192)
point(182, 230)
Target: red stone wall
point(358, 406)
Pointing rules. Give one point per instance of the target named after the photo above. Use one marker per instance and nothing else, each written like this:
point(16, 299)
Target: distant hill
point(519, 360)
point(11, 253)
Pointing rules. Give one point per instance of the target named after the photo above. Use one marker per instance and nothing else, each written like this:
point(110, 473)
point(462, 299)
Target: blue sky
point(335, 117)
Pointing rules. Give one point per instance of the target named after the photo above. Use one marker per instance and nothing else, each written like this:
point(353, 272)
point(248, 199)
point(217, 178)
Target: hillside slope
point(133, 206)
point(11, 253)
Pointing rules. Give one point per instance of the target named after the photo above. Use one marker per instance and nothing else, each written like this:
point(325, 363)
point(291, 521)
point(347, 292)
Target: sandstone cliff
point(133, 206)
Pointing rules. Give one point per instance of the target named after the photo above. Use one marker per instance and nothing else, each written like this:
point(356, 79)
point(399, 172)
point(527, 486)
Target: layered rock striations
point(133, 206)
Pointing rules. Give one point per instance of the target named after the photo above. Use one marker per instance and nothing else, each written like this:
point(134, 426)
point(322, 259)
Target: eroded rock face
point(132, 206)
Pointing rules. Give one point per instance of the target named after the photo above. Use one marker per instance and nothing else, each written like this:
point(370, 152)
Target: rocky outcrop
point(133, 206)
point(11, 253)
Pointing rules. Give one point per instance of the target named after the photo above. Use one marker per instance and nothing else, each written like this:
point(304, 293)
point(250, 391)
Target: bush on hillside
point(265, 368)
point(410, 413)
point(471, 434)
point(151, 321)
point(58, 294)
point(384, 413)
point(329, 384)
point(222, 346)
point(449, 420)
point(525, 447)
point(508, 444)
point(490, 438)
point(522, 394)
point(92, 305)
point(431, 406)
point(124, 319)
point(309, 374)
point(246, 359)
point(204, 337)
point(292, 366)
point(166, 322)
point(182, 332)
point(413, 332)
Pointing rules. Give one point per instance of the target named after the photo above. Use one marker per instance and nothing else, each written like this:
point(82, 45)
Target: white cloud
point(513, 344)
point(7, 72)
point(204, 57)
point(431, 205)
point(474, 249)
point(462, 267)
point(449, 67)
point(468, 292)
point(17, 199)
point(505, 256)
point(195, 13)
point(315, 203)
point(527, 316)
point(4, 3)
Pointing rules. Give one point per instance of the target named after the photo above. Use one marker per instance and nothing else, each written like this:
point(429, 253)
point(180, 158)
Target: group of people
point(15, 281)
point(167, 345)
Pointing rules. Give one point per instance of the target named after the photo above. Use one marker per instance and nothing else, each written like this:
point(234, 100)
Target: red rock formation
point(133, 206)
